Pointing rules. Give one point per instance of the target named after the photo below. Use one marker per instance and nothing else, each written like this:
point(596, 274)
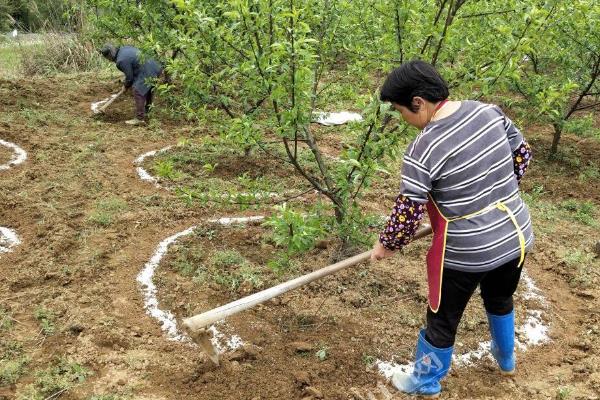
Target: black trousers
point(497, 289)
point(142, 103)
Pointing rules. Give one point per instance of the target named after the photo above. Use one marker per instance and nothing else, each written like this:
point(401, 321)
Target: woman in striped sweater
point(464, 169)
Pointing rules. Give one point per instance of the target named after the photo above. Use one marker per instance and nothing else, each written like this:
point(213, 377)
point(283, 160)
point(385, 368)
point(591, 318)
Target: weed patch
point(106, 210)
point(55, 380)
point(583, 212)
point(13, 363)
point(6, 321)
point(46, 320)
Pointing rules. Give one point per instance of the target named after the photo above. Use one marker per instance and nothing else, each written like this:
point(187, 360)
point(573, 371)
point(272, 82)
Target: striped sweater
point(466, 162)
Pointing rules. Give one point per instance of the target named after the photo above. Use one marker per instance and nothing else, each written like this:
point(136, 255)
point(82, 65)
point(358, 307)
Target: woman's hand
point(380, 252)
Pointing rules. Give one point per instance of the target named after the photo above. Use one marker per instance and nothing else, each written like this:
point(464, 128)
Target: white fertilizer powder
point(18, 157)
point(142, 173)
point(166, 318)
point(8, 239)
point(533, 332)
point(336, 118)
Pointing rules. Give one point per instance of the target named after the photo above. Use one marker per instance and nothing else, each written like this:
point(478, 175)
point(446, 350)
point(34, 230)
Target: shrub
point(297, 231)
point(59, 53)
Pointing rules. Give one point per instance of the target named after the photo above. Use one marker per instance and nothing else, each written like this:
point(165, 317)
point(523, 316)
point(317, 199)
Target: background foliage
point(268, 65)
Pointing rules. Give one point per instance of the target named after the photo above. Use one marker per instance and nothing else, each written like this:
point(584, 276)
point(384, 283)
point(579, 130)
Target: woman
point(464, 168)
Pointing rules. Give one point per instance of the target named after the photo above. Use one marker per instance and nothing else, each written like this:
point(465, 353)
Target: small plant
point(12, 370)
point(205, 232)
point(12, 363)
point(249, 274)
point(281, 263)
point(6, 321)
point(166, 169)
point(563, 393)
point(46, 319)
point(53, 381)
point(296, 231)
point(368, 360)
point(189, 260)
point(209, 168)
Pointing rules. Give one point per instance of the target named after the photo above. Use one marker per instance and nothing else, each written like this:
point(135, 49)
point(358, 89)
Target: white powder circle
point(19, 155)
point(532, 332)
point(165, 318)
point(8, 239)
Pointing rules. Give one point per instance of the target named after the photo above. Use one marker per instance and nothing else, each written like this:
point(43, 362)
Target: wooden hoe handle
point(112, 100)
point(200, 321)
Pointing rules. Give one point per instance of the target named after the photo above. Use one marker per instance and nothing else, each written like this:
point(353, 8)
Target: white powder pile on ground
point(336, 118)
point(18, 157)
point(142, 173)
point(165, 318)
point(533, 332)
point(8, 239)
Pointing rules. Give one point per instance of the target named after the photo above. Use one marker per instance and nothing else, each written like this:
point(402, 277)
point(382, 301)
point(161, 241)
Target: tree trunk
point(556, 139)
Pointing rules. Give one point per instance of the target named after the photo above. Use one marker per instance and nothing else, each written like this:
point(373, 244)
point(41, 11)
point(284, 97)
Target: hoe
point(101, 106)
point(196, 326)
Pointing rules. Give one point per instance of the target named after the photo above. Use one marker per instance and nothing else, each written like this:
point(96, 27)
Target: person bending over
point(137, 73)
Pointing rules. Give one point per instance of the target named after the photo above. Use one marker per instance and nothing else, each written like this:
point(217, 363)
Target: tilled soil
point(88, 225)
point(6, 155)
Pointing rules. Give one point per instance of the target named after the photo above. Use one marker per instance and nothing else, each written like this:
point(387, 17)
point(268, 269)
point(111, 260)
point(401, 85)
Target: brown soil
point(85, 272)
point(6, 155)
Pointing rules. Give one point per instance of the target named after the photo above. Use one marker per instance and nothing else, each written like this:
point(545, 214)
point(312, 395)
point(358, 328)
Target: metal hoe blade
point(202, 337)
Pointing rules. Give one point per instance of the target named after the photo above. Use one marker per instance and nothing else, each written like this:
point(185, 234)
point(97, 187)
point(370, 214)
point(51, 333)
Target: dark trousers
point(497, 289)
point(142, 103)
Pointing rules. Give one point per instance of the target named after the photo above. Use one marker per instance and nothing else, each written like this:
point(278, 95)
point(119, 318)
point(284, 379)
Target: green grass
point(166, 169)
point(55, 380)
point(228, 258)
point(590, 173)
point(9, 60)
point(106, 211)
point(231, 269)
point(13, 362)
point(582, 267)
point(563, 392)
point(6, 321)
point(581, 211)
point(46, 320)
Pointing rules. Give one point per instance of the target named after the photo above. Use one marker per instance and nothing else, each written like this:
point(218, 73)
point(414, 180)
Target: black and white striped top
point(464, 161)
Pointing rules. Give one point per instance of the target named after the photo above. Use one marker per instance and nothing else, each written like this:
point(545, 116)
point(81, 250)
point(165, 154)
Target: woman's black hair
point(414, 78)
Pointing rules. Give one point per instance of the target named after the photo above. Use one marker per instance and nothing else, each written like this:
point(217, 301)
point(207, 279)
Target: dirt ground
point(88, 225)
point(5, 155)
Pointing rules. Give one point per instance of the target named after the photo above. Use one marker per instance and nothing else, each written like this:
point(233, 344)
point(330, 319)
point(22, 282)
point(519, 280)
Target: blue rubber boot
point(502, 329)
point(431, 365)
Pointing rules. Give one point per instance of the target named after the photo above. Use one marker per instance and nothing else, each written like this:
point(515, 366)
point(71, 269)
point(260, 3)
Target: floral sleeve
point(521, 159)
point(402, 223)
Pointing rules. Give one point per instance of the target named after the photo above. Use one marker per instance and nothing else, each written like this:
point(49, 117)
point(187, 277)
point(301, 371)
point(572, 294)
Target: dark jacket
point(128, 61)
